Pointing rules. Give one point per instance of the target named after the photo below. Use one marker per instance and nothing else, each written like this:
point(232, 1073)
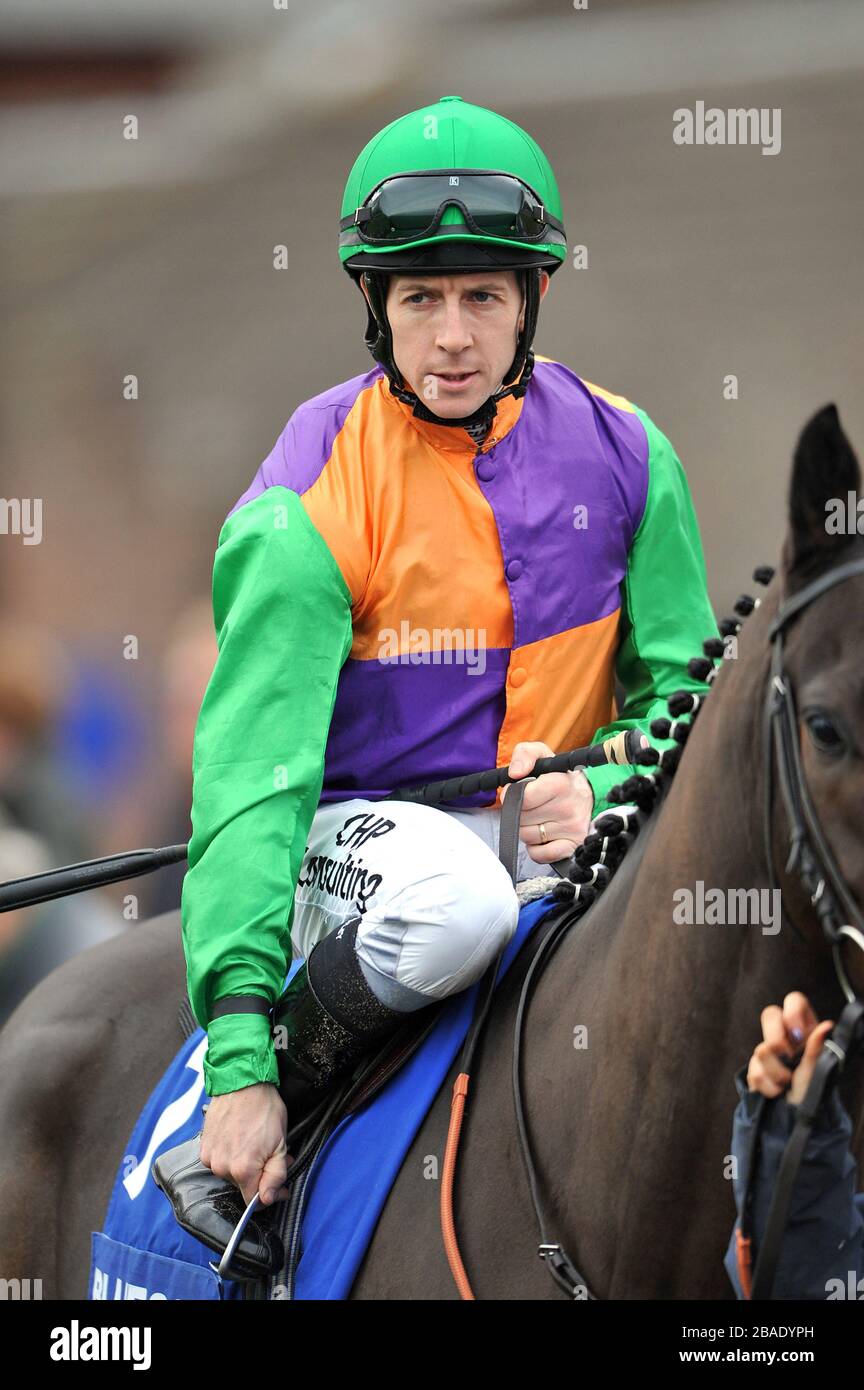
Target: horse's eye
point(824, 733)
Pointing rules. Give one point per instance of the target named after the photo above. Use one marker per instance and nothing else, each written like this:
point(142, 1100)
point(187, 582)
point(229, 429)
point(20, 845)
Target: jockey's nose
point(453, 333)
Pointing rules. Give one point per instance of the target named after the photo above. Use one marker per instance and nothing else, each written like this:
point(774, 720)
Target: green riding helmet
point(451, 187)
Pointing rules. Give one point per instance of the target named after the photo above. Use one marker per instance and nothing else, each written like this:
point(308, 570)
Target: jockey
point(440, 567)
point(821, 1255)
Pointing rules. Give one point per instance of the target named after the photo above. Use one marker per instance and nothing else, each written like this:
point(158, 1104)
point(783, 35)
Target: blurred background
point(153, 259)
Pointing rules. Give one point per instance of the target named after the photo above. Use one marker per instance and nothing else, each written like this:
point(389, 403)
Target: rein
point(558, 1262)
point(116, 868)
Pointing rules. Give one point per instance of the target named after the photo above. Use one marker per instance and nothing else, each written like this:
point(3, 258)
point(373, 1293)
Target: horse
point(634, 1031)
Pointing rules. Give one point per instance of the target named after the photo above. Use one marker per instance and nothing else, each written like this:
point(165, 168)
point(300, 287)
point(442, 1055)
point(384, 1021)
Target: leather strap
point(241, 1004)
point(809, 849)
point(508, 853)
point(559, 1264)
point(508, 839)
point(797, 601)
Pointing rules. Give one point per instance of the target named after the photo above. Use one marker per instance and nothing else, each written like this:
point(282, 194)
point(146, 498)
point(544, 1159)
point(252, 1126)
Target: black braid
point(596, 860)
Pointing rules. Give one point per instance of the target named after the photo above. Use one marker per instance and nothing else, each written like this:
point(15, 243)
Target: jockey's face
point(454, 336)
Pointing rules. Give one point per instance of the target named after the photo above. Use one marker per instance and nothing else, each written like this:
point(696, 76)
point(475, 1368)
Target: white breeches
point(436, 905)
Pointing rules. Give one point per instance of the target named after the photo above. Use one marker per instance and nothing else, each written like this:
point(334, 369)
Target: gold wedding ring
point(544, 838)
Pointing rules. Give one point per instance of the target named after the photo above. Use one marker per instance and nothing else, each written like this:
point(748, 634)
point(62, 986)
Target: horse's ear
point(824, 471)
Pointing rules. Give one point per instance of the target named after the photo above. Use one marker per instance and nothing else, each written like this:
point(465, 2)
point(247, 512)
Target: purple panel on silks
point(385, 707)
point(306, 442)
point(569, 448)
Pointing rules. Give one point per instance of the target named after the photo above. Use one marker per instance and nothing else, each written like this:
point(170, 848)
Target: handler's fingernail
point(796, 1034)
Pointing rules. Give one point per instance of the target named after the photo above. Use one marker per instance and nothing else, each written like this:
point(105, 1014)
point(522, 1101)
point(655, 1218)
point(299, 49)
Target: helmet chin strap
point(379, 340)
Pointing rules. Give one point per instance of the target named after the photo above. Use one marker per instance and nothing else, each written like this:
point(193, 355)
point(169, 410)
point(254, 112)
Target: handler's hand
point(784, 1030)
point(562, 802)
point(244, 1140)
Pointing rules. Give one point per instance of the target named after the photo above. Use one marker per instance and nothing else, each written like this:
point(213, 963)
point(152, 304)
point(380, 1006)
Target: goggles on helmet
point(407, 207)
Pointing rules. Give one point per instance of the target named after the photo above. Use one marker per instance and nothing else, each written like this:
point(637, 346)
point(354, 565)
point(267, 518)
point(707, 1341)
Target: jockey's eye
point(826, 736)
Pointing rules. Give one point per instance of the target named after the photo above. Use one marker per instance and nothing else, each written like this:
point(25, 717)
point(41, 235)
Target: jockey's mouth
point(454, 380)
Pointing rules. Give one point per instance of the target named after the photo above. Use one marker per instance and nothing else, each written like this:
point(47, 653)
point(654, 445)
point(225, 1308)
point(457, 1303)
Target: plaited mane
point(612, 834)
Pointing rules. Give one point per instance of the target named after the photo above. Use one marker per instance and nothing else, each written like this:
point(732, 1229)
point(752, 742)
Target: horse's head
point(823, 666)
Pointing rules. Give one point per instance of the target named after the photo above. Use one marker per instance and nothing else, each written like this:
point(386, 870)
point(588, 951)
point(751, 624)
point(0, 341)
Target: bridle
point(839, 917)
point(809, 851)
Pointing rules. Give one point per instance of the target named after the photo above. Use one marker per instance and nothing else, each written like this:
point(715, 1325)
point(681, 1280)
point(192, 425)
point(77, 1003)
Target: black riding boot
point(324, 1023)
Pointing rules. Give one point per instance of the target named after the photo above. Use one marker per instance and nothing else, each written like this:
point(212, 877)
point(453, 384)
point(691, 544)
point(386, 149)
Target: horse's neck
point(709, 831)
point(672, 1009)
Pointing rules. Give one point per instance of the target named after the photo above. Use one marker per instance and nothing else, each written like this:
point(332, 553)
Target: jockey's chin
point(452, 394)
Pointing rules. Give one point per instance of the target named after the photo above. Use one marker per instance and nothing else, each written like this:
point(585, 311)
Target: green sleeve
point(282, 613)
point(666, 613)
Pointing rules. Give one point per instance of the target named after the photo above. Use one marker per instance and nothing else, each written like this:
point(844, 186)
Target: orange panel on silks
point(563, 687)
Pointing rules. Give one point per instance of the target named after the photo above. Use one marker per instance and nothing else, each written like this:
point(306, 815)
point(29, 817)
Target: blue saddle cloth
point(143, 1254)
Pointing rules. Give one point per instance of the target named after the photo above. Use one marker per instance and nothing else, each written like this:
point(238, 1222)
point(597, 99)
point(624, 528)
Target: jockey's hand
point(793, 1033)
point(244, 1140)
point(562, 802)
